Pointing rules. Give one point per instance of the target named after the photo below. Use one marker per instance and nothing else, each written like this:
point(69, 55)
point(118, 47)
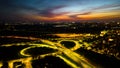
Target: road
point(68, 55)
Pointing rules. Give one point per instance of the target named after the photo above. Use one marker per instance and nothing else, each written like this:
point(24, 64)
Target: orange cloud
point(75, 17)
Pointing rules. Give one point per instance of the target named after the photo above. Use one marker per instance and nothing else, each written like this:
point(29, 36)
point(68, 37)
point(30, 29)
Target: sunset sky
point(59, 10)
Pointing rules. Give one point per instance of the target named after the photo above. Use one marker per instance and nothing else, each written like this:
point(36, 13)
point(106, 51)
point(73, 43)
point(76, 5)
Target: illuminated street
point(67, 49)
point(76, 59)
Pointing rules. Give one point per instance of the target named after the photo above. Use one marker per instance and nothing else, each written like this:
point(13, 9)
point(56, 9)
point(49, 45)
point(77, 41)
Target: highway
point(68, 55)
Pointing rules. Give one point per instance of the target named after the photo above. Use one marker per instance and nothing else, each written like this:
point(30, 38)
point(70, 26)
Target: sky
point(59, 10)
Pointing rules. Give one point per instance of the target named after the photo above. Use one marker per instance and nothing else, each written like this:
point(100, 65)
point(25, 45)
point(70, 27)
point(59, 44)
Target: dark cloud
point(16, 5)
point(75, 15)
point(49, 12)
point(12, 7)
point(85, 13)
point(9, 9)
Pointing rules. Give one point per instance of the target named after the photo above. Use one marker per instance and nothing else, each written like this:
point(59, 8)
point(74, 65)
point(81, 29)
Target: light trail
point(77, 45)
point(26, 61)
point(68, 61)
point(81, 61)
point(78, 60)
point(1, 64)
point(22, 52)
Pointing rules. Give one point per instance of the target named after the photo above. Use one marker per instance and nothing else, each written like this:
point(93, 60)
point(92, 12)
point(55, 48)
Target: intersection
point(68, 55)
